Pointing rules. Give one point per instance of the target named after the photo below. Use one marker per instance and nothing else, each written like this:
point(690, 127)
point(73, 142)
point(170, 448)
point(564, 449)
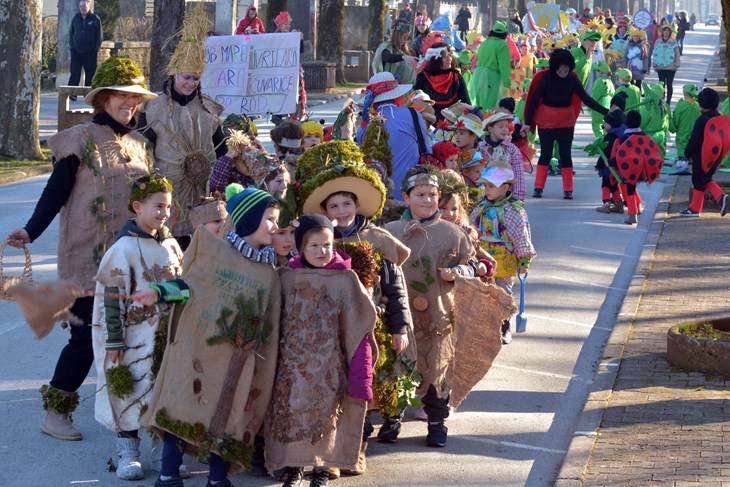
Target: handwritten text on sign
point(253, 74)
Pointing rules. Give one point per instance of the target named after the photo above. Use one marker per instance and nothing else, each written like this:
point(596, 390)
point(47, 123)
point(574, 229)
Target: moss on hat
point(329, 153)
point(451, 182)
point(118, 71)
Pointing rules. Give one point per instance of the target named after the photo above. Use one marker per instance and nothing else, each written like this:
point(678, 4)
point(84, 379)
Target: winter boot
point(58, 407)
point(567, 174)
point(540, 179)
point(389, 431)
point(319, 478)
point(292, 477)
point(604, 208)
point(617, 207)
point(506, 333)
point(436, 434)
point(129, 467)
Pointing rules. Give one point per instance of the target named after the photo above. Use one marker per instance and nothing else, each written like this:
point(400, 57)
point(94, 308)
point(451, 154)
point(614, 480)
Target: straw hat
point(119, 73)
point(385, 87)
point(496, 117)
point(189, 55)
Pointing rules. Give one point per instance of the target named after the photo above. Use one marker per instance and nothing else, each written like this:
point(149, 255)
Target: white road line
point(585, 433)
point(587, 249)
point(609, 224)
point(589, 283)
point(28, 385)
point(539, 372)
point(569, 322)
point(512, 444)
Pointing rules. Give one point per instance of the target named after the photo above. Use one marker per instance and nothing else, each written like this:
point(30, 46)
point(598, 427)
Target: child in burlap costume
point(324, 372)
point(440, 251)
point(353, 197)
point(503, 227)
point(124, 332)
point(215, 382)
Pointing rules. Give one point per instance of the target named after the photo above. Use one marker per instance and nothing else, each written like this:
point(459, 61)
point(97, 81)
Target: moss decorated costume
point(313, 418)
point(134, 261)
point(216, 378)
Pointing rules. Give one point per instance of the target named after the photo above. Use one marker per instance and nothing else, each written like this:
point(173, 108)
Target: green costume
point(633, 96)
point(493, 71)
point(602, 92)
point(655, 115)
point(401, 68)
point(582, 64)
point(683, 120)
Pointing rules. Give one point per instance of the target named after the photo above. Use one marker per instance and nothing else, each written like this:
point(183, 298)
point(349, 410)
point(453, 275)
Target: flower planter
point(700, 354)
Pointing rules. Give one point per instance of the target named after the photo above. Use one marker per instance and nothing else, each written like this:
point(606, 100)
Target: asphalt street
point(515, 427)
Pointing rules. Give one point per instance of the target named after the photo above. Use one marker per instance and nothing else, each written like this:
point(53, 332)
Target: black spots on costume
point(716, 141)
point(639, 159)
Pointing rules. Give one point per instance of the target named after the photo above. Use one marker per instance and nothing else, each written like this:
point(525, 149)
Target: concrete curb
point(28, 173)
point(589, 422)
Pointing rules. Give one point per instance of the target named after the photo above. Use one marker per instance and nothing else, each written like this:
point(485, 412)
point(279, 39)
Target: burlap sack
point(215, 396)
point(313, 421)
point(479, 310)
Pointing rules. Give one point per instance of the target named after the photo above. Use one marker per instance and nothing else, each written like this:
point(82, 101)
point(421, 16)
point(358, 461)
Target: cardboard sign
point(642, 19)
point(546, 16)
point(253, 74)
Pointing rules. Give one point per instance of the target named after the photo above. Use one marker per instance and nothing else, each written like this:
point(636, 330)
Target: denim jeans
point(172, 457)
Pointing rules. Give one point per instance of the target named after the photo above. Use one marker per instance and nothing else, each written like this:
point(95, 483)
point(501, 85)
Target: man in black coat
point(85, 41)
point(462, 20)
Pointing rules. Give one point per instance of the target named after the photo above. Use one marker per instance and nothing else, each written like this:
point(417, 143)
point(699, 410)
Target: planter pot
point(700, 354)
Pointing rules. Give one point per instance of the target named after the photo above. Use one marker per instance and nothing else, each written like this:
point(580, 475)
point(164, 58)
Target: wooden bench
point(68, 117)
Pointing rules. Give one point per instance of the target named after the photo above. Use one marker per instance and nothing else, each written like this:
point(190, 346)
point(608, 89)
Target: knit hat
point(469, 122)
point(633, 119)
point(499, 27)
point(336, 166)
point(444, 149)
point(119, 73)
point(246, 208)
point(623, 73)
point(189, 55)
point(498, 173)
point(690, 89)
point(144, 186)
point(305, 223)
point(282, 18)
point(508, 104)
point(614, 118)
point(601, 67)
point(310, 127)
point(619, 100)
point(209, 210)
point(708, 99)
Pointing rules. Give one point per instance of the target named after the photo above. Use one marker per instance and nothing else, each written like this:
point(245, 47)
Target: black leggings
point(564, 138)
point(667, 77)
point(77, 356)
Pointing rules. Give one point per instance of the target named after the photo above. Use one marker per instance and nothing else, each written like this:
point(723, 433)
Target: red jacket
point(250, 24)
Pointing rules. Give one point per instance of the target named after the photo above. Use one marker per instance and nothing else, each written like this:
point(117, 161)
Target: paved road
point(515, 427)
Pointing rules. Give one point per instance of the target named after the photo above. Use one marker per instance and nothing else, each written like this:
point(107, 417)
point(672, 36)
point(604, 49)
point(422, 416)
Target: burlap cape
point(479, 310)
point(313, 421)
point(196, 386)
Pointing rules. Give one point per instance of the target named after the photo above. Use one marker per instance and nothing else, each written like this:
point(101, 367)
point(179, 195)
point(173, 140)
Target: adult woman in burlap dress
point(184, 126)
point(88, 187)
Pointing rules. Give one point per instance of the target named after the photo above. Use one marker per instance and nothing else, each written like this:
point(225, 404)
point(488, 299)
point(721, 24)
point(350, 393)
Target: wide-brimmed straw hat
point(385, 87)
point(119, 73)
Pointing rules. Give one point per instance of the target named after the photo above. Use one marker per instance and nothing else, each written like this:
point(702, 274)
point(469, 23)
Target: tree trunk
point(723, 35)
point(21, 32)
point(376, 24)
point(330, 35)
point(168, 19)
point(273, 7)
point(223, 408)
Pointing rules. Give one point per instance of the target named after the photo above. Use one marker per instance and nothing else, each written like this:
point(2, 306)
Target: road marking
point(512, 444)
point(585, 433)
point(589, 283)
point(609, 225)
point(28, 385)
point(77, 482)
point(569, 322)
point(600, 251)
point(539, 372)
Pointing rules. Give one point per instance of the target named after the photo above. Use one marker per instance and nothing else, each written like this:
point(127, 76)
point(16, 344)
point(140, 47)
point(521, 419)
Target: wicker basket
point(6, 281)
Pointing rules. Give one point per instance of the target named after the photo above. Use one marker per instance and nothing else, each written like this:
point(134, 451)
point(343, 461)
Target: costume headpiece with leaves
point(146, 185)
point(333, 167)
point(256, 162)
point(119, 73)
point(189, 55)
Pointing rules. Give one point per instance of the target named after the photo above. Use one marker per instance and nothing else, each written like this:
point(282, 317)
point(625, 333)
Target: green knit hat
point(333, 167)
point(601, 67)
point(119, 73)
point(623, 73)
point(499, 27)
point(691, 89)
point(591, 35)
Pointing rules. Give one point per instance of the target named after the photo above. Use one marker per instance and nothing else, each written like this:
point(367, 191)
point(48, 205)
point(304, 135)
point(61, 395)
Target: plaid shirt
point(513, 226)
point(225, 173)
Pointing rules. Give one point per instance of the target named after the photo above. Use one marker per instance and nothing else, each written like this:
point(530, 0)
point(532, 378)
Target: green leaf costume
point(633, 95)
point(655, 115)
point(492, 73)
point(602, 92)
point(682, 121)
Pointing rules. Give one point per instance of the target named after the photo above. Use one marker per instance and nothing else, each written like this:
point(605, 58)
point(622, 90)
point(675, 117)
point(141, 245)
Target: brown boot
point(361, 463)
point(59, 426)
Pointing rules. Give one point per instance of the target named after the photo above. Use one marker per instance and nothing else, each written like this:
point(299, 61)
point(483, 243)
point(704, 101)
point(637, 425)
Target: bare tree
point(330, 35)
point(376, 9)
point(168, 19)
point(21, 32)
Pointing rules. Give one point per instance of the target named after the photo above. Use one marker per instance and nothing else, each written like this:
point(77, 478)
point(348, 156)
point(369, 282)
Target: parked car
point(712, 19)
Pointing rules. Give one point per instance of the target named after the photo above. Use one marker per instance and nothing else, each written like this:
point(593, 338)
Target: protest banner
point(253, 74)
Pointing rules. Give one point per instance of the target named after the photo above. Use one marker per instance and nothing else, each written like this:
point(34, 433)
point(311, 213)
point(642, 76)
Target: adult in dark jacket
point(462, 20)
point(703, 169)
point(440, 81)
point(683, 26)
point(553, 105)
point(88, 188)
point(85, 41)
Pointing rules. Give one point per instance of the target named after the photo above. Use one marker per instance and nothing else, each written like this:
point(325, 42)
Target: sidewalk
point(646, 423)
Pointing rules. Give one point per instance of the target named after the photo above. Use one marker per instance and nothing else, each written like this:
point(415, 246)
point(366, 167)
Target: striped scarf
point(266, 254)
